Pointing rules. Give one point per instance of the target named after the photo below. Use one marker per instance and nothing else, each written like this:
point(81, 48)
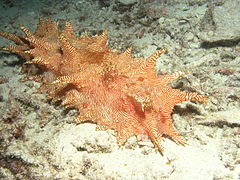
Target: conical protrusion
point(74, 79)
point(41, 27)
point(27, 32)
point(170, 77)
point(68, 50)
point(68, 30)
point(68, 101)
point(99, 43)
point(52, 27)
point(17, 39)
point(19, 50)
point(37, 60)
point(39, 43)
point(70, 98)
point(15, 48)
point(193, 96)
point(150, 62)
point(104, 34)
point(128, 52)
point(103, 38)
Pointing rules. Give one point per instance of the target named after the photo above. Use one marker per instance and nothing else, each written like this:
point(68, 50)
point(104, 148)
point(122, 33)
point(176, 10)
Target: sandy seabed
point(38, 139)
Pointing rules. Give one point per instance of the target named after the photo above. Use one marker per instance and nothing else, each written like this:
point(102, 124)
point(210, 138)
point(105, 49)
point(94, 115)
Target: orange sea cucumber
point(113, 90)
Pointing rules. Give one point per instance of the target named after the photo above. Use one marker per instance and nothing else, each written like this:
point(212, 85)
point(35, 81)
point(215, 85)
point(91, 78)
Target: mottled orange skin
point(113, 90)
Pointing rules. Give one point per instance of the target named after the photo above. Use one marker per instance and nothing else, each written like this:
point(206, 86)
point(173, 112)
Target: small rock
point(127, 2)
point(161, 20)
point(226, 20)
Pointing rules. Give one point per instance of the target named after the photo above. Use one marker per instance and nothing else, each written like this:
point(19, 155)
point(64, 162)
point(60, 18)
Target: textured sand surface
point(39, 140)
